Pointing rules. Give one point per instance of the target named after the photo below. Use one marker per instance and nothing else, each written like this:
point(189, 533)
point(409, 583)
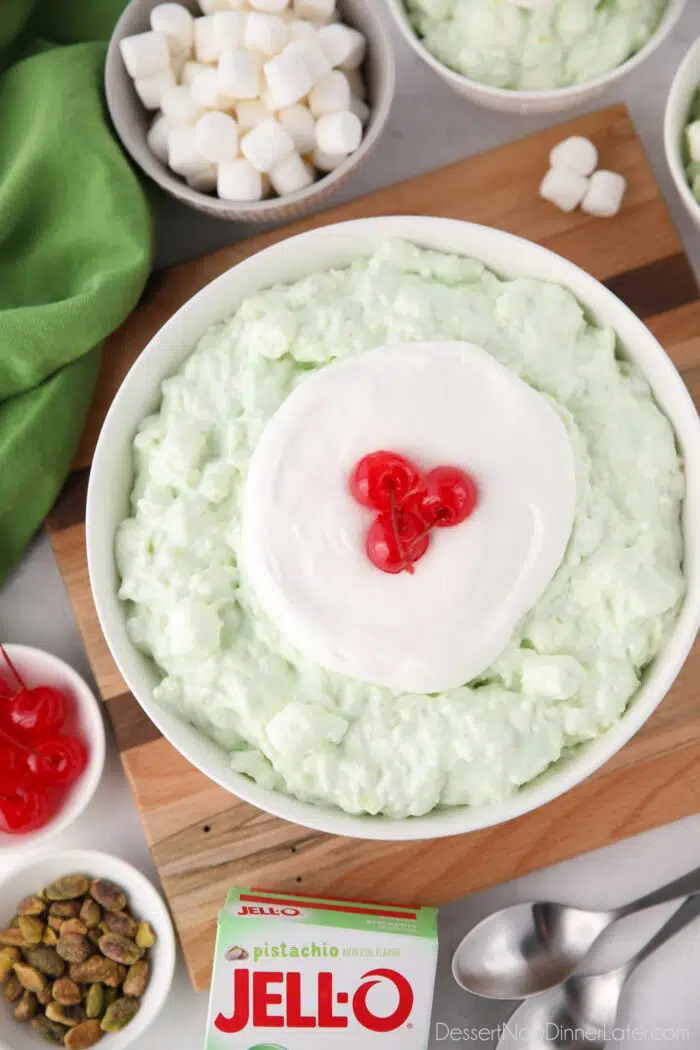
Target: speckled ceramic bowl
point(132, 121)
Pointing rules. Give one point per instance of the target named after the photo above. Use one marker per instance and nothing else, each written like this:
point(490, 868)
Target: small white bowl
point(146, 903)
point(39, 668)
point(524, 102)
point(680, 99)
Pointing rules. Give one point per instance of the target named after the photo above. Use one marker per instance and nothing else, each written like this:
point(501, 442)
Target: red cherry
point(28, 809)
point(40, 711)
point(381, 476)
point(395, 551)
point(13, 769)
point(450, 497)
point(59, 760)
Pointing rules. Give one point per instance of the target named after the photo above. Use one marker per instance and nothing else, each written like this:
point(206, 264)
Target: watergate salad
point(231, 620)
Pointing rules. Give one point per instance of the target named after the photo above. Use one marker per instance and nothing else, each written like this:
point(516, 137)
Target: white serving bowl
point(683, 88)
point(146, 904)
point(290, 260)
point(39, 668)
point(552, 101)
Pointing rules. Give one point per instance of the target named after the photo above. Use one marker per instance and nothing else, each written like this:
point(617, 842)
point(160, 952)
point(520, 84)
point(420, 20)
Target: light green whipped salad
point(560, 44)
point(575, 660)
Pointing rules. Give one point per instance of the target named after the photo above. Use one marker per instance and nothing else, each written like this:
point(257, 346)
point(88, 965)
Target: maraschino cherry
point(394, 546)
point(382, 477)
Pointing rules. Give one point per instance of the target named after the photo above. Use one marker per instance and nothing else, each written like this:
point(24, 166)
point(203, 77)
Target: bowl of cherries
point(52, 746)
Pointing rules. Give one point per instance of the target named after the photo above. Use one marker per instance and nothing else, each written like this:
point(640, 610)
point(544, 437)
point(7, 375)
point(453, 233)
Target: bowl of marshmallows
point(254, 110)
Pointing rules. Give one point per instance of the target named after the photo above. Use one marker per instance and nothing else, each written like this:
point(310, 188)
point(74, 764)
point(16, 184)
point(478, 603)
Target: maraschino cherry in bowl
point(52, 747)
point(321, 656)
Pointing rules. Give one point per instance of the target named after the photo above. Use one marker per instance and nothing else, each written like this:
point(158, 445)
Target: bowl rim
point(479, 241)
point(270, 208)
point(573, 93)
point(673, 134)
point(86, 787)
point(112, 867)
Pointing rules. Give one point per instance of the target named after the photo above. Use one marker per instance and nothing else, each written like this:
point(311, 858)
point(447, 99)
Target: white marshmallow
point(300, 124)
point(291, 175)
point(250, 113)
point(315, 10)
point(288, 78)
point(183, 155)
point(338, 133)
point(145, 55)
point(606, 191)
point(216, 137)
point(179, 106)
point(239, 181)
point(205, 90)
point(266, 145)
point(270, 7)
point(269, 102)
point(564, 188)
point(342, 45)
point(176, 24)
point(210, 6)
point(206, 42)
point(576, 153)
point(230, 29)
point(157, 137)
point(331, 94)
point(326, 161)
point(360, 109)
point(268, 34)
point(692, 137)
point(151, 89)
point(357, 83)
point(190, 71)
point(302, 30)
point(312, 56)
point(205, 182)
point(239, 74)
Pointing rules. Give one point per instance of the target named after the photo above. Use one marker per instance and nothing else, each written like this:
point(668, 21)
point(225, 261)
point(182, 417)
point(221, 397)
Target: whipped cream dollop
point(303, 537)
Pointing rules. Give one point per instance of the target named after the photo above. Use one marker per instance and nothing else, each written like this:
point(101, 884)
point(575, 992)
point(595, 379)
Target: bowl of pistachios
point(87, 953)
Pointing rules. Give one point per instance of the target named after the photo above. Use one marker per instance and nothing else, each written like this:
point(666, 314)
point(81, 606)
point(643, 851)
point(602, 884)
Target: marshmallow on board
point(572, 180)
point(605, 194)
point(564, 188)
point(577, 153)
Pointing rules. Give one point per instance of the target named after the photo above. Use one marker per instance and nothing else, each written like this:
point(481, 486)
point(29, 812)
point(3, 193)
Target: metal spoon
point(527, 948)
point(581, 1013)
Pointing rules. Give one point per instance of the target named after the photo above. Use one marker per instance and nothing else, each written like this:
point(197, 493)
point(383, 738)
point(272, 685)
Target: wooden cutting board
point(203, 840)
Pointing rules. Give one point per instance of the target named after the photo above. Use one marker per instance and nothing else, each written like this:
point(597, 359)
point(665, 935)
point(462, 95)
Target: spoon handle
point(683, 887)
point(687, 913)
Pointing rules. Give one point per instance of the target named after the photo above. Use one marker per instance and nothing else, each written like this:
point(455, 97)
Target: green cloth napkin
point(75, 246)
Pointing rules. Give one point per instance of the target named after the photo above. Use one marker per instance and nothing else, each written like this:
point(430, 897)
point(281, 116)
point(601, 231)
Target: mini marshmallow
point(268, 34)
point(145, 55)
point(343, 46)
point(183, 155)
point(176, 24)
point(291, 175)
point(204, 182)
point(205, 90)
point(606, 190)
point(250, 113)
point(330, 95)
point(269, 102)
point(229, 27)
point(321, 11)
point(239, 74)
point(216, 137)
point(179, 106)
point(302, 30)
point(300, 124)
point(210, 6)
point(357, 83)
point(157, 137)
point(190, 71)
point(577, 153)
point(360, 109)
point(270, 7)
point(564, 188)
point(206, 42)
point(326, 161)
point(692, 137)
point(266, 145)
point(288, 78)
point(239, 181)
point(151, 89)
point(338, 133)
point(312, 56)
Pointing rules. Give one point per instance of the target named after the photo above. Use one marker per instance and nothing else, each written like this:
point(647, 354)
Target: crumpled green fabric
point(75, 246)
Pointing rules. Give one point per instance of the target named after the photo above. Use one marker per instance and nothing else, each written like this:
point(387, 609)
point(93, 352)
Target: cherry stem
point(12, 667)
point(17, 743)
point(407, 563)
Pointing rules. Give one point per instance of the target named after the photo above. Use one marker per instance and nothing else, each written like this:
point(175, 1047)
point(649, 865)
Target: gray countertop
point(429, 127)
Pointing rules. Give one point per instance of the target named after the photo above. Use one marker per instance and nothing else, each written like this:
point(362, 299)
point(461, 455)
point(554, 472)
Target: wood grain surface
point(204, 841)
